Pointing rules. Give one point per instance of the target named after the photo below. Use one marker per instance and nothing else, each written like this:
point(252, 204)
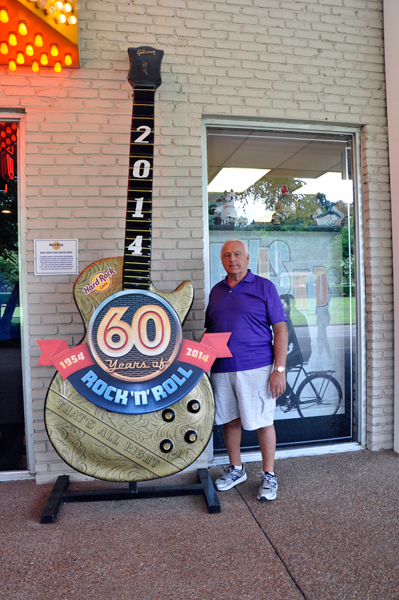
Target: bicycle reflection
point(313, 393)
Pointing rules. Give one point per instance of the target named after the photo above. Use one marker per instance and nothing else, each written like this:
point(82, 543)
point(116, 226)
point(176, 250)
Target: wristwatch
point(279, 369)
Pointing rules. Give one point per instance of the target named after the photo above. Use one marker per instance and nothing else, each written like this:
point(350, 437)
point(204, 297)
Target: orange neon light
point(39, 34)
point(22, 28)
point(4, 15)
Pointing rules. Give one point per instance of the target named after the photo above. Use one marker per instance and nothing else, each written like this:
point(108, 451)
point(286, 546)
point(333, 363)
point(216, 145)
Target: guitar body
point(120, 447)
point(137, 409)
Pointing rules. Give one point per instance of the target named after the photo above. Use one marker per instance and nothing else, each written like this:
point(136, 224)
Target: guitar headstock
point(145, 67)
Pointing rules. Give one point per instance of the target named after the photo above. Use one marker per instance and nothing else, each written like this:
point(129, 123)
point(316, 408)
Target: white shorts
point(245, 395)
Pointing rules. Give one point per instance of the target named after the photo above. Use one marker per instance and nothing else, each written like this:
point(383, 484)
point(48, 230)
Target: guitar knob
point(166, 446)
point(190, 436)
point(193, 406)
point(168, 415)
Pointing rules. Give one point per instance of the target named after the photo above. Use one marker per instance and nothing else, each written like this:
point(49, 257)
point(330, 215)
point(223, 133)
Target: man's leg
point(232, 475)
point(267, 443)
point(232, 438)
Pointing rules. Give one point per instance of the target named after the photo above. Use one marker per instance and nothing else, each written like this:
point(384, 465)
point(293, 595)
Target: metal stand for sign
point(61, 495)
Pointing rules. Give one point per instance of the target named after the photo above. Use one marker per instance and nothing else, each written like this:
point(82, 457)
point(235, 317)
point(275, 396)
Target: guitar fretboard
point(137, 254)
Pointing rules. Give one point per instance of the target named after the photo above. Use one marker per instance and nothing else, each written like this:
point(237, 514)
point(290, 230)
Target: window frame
point(360, 391)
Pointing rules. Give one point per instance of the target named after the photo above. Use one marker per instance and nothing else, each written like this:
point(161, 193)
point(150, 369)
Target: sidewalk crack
point(277, 553)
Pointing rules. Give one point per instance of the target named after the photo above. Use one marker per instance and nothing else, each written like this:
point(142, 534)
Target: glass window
point(290, 196)
point(12, 427)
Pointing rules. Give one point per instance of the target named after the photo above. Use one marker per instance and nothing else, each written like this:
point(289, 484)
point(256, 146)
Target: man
point(246, 386)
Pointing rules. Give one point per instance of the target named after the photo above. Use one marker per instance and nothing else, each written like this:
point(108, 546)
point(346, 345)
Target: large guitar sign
point(132, 402)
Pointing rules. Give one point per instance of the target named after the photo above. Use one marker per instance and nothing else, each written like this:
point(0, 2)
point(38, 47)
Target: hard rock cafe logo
point(56, 245)
point(100, 282)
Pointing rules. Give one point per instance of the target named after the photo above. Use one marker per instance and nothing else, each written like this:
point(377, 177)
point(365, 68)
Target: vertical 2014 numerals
point(141, 170)
point(116, 337)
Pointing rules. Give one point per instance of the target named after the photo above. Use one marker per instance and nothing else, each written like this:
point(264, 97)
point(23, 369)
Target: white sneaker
point(230, 478)
point(268, 488)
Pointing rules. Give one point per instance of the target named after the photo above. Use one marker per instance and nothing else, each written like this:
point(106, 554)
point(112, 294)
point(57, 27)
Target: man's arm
point(280, 343)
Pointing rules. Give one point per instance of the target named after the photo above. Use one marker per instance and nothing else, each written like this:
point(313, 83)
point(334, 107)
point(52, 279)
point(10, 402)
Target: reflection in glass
point(297, 220)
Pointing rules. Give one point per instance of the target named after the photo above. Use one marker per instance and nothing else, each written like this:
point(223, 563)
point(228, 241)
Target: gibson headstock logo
point(141, 51)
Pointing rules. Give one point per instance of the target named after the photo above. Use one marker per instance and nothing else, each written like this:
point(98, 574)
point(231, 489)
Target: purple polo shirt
point(247, 310)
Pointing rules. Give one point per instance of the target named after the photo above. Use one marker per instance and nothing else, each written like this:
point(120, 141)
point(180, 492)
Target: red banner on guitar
point(204, 353)
point(66, 362)
point(197, 354)
point(49, 349)
point(72, 360)
point(218, 341)
point(201, 354)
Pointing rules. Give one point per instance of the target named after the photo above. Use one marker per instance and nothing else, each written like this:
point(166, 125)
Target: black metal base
point(61, 495)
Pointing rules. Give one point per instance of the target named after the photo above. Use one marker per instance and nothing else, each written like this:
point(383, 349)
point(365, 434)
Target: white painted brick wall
point(303, 60)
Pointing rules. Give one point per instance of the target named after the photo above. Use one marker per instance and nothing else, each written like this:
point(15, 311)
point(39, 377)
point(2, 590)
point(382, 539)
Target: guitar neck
point(137, 254)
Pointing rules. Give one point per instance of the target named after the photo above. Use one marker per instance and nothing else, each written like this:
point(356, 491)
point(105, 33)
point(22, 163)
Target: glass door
point(290, 196)
point(12, 426)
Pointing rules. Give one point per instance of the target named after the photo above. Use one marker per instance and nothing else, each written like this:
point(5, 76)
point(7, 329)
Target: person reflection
point(323, 321)
point(299, 346)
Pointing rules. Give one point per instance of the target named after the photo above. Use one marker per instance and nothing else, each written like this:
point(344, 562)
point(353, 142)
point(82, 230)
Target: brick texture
point(309, 61)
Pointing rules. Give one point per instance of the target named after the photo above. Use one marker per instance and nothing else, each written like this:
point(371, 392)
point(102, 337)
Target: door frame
point(20, 118)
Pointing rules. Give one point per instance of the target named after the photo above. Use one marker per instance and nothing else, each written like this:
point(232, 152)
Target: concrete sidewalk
point(332, 534)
